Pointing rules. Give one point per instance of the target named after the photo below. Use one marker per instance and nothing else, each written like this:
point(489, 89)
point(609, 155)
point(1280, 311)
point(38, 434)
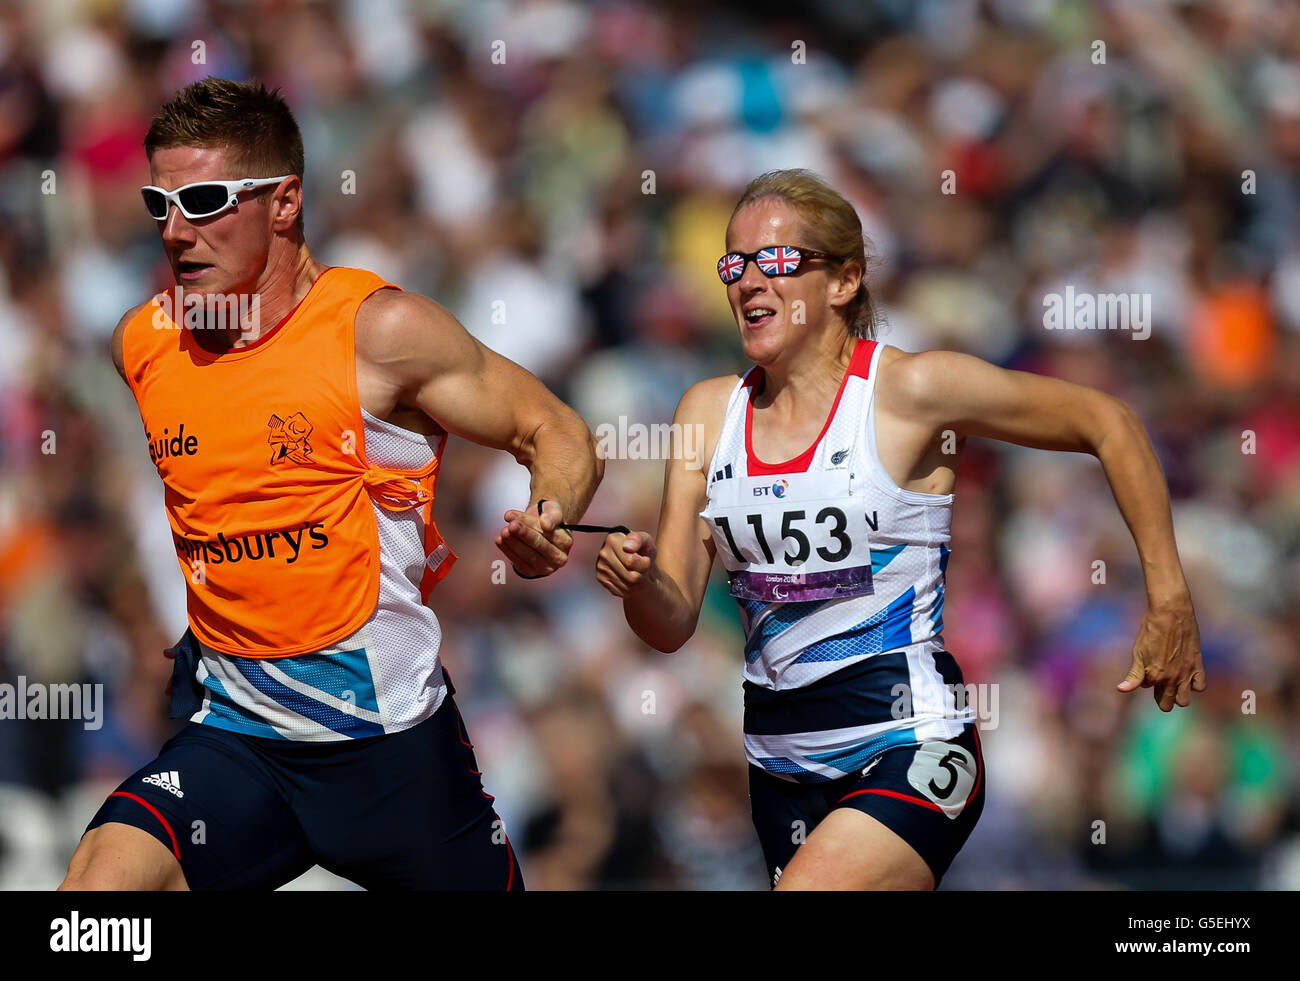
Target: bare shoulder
point(392, 325)
point(115, 345)
point(909, 383)
point(703, 406)
point(706, 401)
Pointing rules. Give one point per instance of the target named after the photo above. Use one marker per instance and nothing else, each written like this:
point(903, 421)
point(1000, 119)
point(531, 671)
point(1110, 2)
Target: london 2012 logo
point(288, 438)
point(780, 487)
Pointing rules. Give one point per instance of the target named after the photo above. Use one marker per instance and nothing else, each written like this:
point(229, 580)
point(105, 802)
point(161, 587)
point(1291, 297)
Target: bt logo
point(776, 490)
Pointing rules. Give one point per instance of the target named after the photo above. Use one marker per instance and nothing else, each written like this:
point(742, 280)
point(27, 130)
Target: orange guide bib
point(262, 454)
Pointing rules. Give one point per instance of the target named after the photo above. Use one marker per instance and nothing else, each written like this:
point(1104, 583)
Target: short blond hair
point(253, 124)
point(830, 225)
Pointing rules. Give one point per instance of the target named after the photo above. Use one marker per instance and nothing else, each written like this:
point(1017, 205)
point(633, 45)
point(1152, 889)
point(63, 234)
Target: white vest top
point(832, 563)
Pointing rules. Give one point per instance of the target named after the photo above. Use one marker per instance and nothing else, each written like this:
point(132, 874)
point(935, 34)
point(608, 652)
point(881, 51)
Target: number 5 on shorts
point(944, 773)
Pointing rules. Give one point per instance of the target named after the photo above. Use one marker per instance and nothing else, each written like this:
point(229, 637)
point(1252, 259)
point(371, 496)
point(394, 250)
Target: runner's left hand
point(535, 544)
point(1167, 656)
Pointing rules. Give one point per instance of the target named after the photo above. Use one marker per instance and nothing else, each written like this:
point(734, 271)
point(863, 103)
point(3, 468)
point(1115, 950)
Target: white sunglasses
point(202, 199)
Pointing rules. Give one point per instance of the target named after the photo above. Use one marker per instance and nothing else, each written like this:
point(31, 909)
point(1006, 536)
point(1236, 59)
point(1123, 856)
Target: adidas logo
point(168, 780)
point(777, 876)
point(724, 474)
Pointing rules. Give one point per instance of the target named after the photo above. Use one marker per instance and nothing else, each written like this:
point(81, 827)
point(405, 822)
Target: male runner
point(299, 451)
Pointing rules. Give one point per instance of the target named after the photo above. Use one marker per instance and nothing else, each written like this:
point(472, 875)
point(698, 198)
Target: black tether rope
point(593, 529)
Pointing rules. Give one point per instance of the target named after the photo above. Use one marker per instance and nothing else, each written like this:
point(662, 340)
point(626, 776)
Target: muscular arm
point(944, 390)
point(435, 365)
point(662, 583)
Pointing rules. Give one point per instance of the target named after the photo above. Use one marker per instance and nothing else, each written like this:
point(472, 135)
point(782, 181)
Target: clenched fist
point(625, 562)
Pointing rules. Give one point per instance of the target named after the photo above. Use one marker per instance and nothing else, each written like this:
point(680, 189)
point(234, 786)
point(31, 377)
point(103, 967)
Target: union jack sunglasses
point(202, 199)
point(775, 260)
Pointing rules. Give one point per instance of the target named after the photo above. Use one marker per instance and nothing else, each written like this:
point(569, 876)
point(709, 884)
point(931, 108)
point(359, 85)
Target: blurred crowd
point(559, 175)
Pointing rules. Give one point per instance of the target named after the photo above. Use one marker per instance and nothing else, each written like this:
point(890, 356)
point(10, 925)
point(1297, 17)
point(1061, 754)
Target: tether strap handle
point(594, 529)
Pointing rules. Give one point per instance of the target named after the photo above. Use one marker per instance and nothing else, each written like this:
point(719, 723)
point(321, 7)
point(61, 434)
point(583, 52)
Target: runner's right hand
point(625, 562)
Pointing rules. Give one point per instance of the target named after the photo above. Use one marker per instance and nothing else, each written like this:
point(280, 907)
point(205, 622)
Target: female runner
point(828, 497)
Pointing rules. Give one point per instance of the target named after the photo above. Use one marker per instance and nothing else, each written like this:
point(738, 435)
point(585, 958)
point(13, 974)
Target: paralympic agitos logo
point(288, 438)
point(254, 546)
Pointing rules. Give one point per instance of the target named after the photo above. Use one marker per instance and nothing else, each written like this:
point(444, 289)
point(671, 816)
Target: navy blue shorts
point(930, 795)
point(405, 810)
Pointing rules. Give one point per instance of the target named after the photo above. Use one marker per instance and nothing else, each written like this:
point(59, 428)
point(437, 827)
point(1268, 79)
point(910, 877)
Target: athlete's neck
point(820, 363)
point(281, 287)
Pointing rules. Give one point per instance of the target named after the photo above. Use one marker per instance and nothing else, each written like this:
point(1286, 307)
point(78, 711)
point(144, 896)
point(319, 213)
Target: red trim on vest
point(859, 364)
